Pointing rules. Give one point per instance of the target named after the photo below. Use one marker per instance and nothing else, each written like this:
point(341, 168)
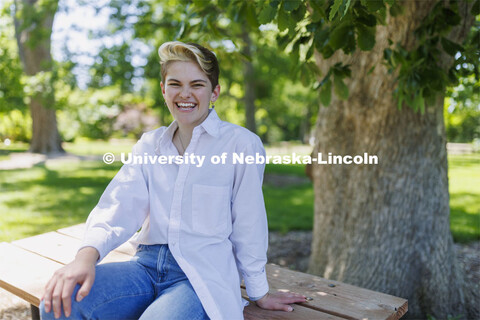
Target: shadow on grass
point(51, 198)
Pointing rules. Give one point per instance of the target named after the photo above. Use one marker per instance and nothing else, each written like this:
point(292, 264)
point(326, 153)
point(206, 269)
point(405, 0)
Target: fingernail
point(290, 309)
point(80, 298)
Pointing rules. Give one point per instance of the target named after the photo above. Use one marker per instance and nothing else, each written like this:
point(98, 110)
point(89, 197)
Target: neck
point(185, 134)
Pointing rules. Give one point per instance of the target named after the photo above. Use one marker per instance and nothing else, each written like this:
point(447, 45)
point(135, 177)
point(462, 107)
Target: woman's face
point(188, 92)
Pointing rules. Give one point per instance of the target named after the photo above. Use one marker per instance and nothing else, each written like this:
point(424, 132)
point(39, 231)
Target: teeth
point(186, 105)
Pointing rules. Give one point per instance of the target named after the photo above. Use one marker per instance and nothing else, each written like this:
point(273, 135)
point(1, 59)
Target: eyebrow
point(197, 80)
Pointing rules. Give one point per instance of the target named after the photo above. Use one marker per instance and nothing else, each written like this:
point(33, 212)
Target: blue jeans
point(150, 286)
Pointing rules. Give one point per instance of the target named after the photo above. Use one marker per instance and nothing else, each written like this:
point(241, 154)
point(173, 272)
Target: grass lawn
point(61, 194)
point(464, 185)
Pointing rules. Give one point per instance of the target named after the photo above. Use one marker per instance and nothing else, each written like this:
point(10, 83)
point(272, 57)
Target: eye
point(173, 84)
point(198, 85)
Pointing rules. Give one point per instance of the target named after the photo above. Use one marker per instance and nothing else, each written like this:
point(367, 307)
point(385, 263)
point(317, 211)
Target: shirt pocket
point(210, 209)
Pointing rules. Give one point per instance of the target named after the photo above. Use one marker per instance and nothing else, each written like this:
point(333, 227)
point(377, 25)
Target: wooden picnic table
point(27, 264)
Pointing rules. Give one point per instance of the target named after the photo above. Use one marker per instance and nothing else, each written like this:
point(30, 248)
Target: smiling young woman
point(202, 228)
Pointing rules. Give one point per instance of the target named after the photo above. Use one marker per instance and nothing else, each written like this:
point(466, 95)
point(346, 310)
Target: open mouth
point(186, 106)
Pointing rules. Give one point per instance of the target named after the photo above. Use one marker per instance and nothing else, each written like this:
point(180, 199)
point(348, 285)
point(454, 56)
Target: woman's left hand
point(280, 300)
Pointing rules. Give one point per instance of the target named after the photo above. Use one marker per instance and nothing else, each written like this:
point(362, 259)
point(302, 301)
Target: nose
point(185, 92)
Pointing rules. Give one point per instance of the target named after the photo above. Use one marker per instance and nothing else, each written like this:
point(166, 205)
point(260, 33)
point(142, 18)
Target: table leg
point(35, 312)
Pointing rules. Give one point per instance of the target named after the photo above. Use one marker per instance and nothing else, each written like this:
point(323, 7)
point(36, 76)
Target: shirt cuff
point(256, 298)
point(96, 238)
point(256, 285)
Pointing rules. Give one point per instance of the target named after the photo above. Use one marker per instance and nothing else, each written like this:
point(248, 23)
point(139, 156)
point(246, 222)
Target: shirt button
point(174, 243)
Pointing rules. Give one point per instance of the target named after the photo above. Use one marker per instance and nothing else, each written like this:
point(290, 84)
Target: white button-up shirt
point(212, 216)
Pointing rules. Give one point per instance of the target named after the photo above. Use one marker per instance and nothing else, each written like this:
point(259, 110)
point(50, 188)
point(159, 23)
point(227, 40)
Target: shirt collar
point(211, 125)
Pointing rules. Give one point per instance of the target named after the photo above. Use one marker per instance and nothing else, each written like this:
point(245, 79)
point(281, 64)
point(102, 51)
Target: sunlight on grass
point(464, 185)
point(289, 208)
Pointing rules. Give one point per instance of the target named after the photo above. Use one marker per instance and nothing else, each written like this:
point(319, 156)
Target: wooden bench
point(27, 265)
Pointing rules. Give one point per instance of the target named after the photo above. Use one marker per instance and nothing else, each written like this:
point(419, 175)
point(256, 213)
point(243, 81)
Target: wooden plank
point(337, 298)
point(25, 274)
point(61, 248)
point(253, 312)
point(77, 231)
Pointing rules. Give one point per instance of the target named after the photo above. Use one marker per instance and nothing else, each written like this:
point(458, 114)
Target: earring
point(213, 106)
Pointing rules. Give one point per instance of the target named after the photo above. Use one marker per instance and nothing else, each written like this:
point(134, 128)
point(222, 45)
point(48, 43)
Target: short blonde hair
point(179, 51)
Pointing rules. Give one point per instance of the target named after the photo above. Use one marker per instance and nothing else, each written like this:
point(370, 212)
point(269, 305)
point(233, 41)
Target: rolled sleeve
point(120, 211)
point(249, 223)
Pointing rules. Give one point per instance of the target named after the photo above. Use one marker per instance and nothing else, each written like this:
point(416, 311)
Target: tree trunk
point(249, 84)
point(386, 227)
point(33, 28)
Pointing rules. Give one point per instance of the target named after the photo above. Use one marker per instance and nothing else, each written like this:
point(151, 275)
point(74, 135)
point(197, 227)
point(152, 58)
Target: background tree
point(12, 105)
point(261, 103)
point(33, 27)
point(383, 227)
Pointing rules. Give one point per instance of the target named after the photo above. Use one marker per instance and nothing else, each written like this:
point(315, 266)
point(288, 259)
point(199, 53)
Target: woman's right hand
point(60, 287)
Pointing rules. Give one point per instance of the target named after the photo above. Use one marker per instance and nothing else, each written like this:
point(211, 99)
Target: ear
point(163, 88)
point(215, 93)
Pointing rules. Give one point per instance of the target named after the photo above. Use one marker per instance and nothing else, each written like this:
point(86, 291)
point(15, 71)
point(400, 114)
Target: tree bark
point(33, 33)
point(386, 227)
point(249, 84)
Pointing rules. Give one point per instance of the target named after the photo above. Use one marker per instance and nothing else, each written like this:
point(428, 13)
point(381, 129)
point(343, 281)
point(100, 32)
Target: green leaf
point(282, 41)
point(309, 52)
point(451, 47)
point(451, 17)
point(267, 14)
point(347, 5)
point(318, 11)
point(313, 68)
point(476, 8)
point(374, 5)
point(334, 9)
point(291, 5)
point(419, 103)
point(327, 52)
point(396, 10)
point(365, 37)
point(341, 88)
point(326, 93)
point(295, 54)
point(400, 100)
point(321, 38)
point(251, 15)
point(367, 19)
point(299, 13)
point(338, 36)
point(389, 2)
point(283, 20)
point(274, 4)
point(305, 75)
